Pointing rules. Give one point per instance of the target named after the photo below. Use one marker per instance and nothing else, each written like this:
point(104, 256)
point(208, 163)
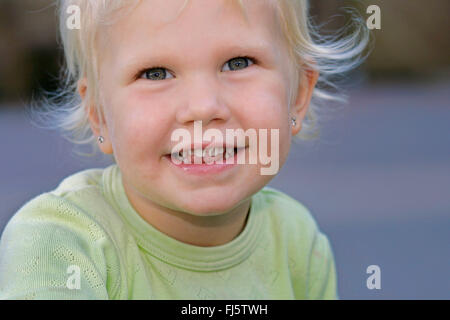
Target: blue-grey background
point(377, 180)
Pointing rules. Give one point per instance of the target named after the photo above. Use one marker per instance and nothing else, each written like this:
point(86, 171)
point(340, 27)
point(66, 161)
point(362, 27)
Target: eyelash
point(141, 72)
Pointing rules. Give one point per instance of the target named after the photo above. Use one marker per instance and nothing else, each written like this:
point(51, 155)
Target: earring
point(101, 139)
point(294, 121)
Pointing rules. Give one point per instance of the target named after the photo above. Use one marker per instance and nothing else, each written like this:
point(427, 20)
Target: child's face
point(141, 113)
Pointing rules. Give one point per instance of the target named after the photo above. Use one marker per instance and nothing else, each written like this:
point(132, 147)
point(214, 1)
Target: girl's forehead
point(202, 30)
point(183, 19)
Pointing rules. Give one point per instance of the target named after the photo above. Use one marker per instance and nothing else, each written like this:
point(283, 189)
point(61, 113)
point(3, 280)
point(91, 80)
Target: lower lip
point(205, 169)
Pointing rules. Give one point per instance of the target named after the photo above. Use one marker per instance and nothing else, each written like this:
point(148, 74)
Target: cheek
point(138, 124)
point(264, 103)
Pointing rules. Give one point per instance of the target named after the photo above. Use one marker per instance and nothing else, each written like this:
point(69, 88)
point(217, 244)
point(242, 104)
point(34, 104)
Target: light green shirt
point(84, 240)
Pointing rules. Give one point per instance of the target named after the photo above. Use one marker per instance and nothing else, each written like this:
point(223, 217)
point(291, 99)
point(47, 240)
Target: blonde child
point(147, 227)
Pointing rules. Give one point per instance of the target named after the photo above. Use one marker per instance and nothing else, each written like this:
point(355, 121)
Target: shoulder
point(66, 226)
point(77, 201)
point(307, 248)
point(77, 206)
point(291, 223)
point(288, 212)
point(85, 179)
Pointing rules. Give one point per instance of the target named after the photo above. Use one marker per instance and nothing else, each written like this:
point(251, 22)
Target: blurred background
point(377, 181)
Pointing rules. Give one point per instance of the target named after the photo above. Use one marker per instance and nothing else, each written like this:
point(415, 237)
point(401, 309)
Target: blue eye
point(161, 73)
point(158, 73)
point(239, 63)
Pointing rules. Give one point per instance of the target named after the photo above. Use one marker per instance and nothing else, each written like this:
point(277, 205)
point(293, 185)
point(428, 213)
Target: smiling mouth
point(204, 156)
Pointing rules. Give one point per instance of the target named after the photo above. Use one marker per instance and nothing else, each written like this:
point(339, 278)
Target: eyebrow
point(257, 47)
point(262, 49)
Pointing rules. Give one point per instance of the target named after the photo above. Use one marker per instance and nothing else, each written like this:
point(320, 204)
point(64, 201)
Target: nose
point(203, 101)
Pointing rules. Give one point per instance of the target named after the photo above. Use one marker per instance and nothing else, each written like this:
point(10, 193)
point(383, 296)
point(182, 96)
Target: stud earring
point(101, 139)
point(294, 121)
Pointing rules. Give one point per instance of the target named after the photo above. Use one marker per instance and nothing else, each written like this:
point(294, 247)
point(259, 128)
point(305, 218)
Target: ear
point(98, 126)
point(307, 82)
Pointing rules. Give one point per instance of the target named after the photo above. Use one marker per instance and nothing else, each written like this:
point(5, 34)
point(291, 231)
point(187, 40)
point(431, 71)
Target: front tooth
point(214, 152)
point(228, 154)
point(198, 153)
point(186, 156)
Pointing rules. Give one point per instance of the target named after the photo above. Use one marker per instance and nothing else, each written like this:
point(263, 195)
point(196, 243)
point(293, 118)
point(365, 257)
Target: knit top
point(84, 240)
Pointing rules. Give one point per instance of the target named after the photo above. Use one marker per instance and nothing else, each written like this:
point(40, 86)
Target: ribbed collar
point(178, 253)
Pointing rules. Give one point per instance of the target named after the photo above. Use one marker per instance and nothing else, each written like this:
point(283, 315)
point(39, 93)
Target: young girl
point(149, 227)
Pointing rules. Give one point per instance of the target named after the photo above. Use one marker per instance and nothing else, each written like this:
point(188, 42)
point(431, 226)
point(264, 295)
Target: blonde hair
point(65, 110)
